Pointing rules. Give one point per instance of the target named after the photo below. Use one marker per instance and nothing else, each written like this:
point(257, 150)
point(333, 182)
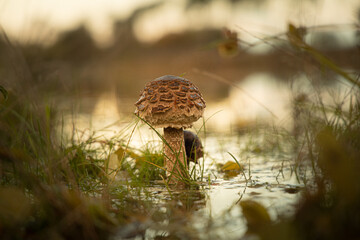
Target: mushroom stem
point(175, 156)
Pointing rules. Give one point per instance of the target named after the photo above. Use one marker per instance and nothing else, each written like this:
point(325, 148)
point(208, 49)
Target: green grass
point(54, 188)
point(68, 190)
point(51, 183)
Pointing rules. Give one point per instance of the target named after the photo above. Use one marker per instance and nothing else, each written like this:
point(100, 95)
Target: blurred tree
point(74, 46)
point(123, 29)
point(325, 41)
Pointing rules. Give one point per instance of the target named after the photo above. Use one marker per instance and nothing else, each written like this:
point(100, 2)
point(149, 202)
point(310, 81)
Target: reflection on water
point(258, 98)
point(263, 186)
point(261, 98)
point(222, 195)
point(278, 192)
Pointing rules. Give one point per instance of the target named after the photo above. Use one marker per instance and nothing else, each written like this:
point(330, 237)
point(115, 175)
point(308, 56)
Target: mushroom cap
point(170, 101)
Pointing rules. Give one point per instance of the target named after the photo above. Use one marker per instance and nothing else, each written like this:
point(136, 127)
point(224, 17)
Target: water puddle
point(266, 179)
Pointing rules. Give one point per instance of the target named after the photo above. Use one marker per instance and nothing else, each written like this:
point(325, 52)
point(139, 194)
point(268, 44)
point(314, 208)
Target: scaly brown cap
point(170, 101)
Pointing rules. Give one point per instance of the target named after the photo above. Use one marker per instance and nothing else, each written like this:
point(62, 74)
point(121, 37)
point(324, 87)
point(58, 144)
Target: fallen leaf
point(231, 166)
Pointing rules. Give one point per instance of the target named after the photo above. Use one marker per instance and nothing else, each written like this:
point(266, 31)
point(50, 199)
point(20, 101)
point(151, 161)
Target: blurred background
point(281, 83)
point(94, 57)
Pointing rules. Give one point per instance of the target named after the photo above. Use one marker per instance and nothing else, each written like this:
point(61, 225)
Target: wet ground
point(266, 181)
point(265, 178)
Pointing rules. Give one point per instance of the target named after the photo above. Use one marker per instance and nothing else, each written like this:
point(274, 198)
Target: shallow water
point(217, 201)
point(214, 209)
point(263, 185)
point(219, 198)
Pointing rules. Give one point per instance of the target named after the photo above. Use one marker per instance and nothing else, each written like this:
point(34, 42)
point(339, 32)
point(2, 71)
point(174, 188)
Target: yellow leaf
point(231, 166)
point(229, 46)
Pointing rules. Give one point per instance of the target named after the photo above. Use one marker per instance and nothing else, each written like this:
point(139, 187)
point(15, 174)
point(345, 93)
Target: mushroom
point(193, 147)
point(172, 103)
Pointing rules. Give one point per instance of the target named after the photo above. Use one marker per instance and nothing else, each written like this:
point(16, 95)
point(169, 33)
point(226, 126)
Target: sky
point(41, 20)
